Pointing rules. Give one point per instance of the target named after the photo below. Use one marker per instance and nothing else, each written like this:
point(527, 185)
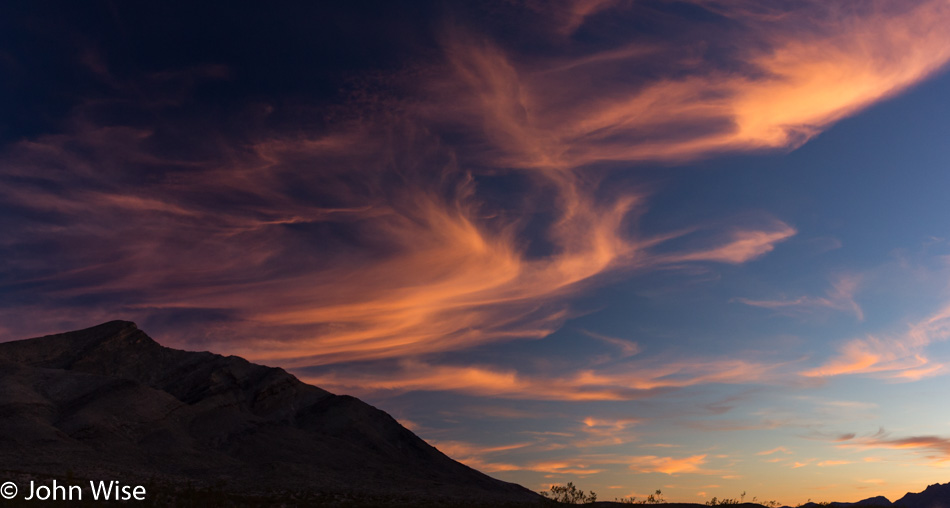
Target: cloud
point(743, 246)
point(566, 16)
point(935, 449)
point(583, 465)
point(668, 465)
point(775, 450)
point(342, 273)
point(478, 456)
point(386, 236)
point(805, 68)
point(848, 405)
point(573, 457)
point(827, 463)
point(607, 431)
point(899, 358)
point(840, 297)
point(627, 348)
point(565, 467)
point(625, 382)
point(421, 269)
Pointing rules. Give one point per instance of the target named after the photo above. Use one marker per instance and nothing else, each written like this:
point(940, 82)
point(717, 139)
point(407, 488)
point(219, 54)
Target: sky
point(698, 246)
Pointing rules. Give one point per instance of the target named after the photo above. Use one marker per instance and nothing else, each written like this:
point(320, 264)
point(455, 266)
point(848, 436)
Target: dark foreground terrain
point(200, 429)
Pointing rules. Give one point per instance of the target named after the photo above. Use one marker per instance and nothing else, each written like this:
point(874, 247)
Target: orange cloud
point(668, 465)
point(626, 383)
point(775, 450)
point(898, 358)
point(439, 271)
point(607, 431)
point(813, 65)
point(826, 463)
point(583, 465)
point(376, 240)
point(562, 467)
point(477, 456)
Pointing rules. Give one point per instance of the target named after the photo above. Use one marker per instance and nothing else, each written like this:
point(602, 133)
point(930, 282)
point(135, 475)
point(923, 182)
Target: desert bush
point(655, 498)
point(724, 501)
point(730, 501)
point(569, 494)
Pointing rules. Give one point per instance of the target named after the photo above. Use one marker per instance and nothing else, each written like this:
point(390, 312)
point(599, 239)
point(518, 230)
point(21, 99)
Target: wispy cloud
point(828, 463)
point(840, 297)
point(584, 465)
point(805, 74)
point(900, 358)
point(627, 348)
point(743, 246)
point(935, 449)
point(420, 270)
point(781, 449)
point(566, 16)
point(669, 465)
point(380, 238)
point(478, 456)
point(607, 431)
point(626, 382)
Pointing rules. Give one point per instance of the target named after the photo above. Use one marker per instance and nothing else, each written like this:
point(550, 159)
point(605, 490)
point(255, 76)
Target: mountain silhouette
point(110, 402)
point(934, 496)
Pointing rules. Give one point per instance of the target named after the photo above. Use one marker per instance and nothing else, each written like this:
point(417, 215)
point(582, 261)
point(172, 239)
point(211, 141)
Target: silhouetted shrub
point(569, 494)
point(655, 498)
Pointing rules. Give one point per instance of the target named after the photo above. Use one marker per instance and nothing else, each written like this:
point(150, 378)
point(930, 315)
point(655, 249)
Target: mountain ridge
point(108, 399)
point(934, 496)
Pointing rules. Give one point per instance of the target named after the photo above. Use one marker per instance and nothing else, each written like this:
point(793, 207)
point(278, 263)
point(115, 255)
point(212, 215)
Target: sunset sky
point(698, 246)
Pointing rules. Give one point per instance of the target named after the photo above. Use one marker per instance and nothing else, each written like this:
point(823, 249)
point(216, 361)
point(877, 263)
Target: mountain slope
point(934, 496)
point(108, 400)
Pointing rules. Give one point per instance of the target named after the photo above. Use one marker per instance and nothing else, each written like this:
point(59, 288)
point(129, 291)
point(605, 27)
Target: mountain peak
point(62, 350)
point(934, 496)
point(110, 400)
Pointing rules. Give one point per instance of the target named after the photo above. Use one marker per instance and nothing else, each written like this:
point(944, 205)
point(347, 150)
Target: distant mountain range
point(934, 496)
point(108, 402)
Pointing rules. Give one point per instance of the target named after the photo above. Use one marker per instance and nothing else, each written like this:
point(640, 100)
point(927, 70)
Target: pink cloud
point(934, 449)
